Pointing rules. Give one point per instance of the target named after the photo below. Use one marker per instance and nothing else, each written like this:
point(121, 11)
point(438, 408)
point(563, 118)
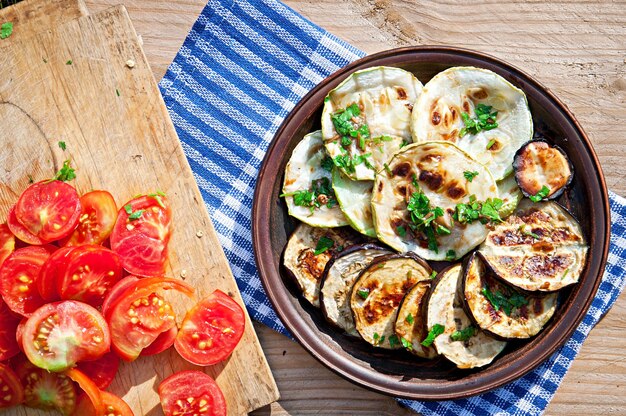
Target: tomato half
point(89, 387)
point(90, 272)
point(115, 293)
point(161, 343)
point(12, 390)
point(211, 330)
point(18, 275)
point(7, 242)
point(141, 234)
point(113, 404)
point(20, 231)
point(140, 314)
point(101, 371)
point(51, 272)
point(191, 393)
point(45, 390)
point(9, 323)
point(58, 335)
point(97, 217)
point(48, 209)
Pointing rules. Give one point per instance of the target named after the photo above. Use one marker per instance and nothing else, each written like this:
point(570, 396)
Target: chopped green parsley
point(349, 126)
point(542, 193)
point(409, 319)
point(320, 193)
point(433, 333)
point(62, 145)
point(363, 293)
point(470, 175)
point(406, 344)
point(485, 119)
point(66, 173)
point(6, 30)
point(323, 244)
point(464, 334)
point(501, 301)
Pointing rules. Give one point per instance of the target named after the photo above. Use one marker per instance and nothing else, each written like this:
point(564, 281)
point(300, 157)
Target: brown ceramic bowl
point(401, 374)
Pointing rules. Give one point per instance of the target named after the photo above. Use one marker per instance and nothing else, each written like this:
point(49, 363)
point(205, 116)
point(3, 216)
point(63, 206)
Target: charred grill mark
point(466, 106)
point(523, 312)
point(402, 169)
point(542, 246)
point(436, 118)
point(479, 94)
point(455, 192)
point(433, 180)
point(453, 113)
point(383, 99)
point(409, 106)
point(401, 93)
point(312, 263)
point(546, 266)
point(401, 190)
point(495, 146)
point(537, 306)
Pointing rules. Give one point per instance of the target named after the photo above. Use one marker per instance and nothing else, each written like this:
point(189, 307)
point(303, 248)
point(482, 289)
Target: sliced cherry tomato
point(211, 330)
point(58, 335)
point(97, 217)
point(116, 291)
point(113, 404)
point(7, 242)
point(8, 327)
point(90, 272)
point(191, 393)
point(20, 231)
point(139, 315)
point(17, 278)
point(48, 209)
point(52, 272)
point(19, 332)
point(141, 234)
point(12, 390)
point(45, 390)
point(163, 342)
point(101, 371)
point(89, 387)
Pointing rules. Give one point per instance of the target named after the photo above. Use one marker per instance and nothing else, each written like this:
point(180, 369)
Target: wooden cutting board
point(120, 138)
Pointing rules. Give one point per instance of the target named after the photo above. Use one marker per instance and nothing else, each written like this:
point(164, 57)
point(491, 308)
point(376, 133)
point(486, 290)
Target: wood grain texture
point(120, 138)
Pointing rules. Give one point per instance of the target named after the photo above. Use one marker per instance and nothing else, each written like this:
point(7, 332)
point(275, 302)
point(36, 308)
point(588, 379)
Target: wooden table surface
point(576, 49)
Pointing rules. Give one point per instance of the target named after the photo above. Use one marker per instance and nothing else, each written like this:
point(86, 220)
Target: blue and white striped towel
point(243, 67)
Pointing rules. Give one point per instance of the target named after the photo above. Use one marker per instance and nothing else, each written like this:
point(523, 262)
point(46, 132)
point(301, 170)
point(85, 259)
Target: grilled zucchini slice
point(538, 164)
point(410, 324)
point(466, 93)
point(339, 277)
point(445, 308)
point(501, 310)
point(510, 194)
point(377, 294)
point(308, 185)
point(304, 266)
point(540, 247)
point(438, 169)
point(369, 114)
point(355, 200)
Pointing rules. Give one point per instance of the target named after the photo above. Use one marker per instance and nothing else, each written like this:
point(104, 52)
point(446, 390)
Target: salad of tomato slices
point(83, 288)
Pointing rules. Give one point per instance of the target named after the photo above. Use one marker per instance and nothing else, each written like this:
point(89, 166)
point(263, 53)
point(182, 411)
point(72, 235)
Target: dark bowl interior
point(401, 374)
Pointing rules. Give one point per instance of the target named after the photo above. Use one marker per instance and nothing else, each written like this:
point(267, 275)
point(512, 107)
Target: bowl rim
point(280, 297)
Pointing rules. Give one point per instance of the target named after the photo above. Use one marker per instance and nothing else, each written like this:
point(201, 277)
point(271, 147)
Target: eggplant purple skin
point(349, 250)
point(424, 306)
point(518, 156)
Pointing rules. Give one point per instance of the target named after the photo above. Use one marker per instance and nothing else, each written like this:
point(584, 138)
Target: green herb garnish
point(406, 344)
point(401, 231)
point(363, 293)
point(500, 301)
point(491, 143)
point(327, 163)
point(347, 124)
point(423, 219)
point(409, 319)
point(484, 119)
point(522, 230)
point(66, 173)
point(117, 92)
point(320, 193)
point(393, 341)
point(433, 333)
point(128, 208)
point(378, 339)
point(62, 145)
point(433, 274)
point(69, 62)
point(450, 255)
point(475, 210)
point(135, 215)
point(323, 244)
point(157, 195)
point(470, 175)
point(543, 192)
point(6, 30)
point(464, 334)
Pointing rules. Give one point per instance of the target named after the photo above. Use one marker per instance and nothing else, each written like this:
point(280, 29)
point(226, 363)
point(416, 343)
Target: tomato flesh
point(211, 330)
point(141, 237)
point(7, 242)
point(18, 275)
point(101, 371)
point(45, 390)
point(51, 272)
point(191, 393)
point(113, 405)
point(48, 209)
point(9, 323)
point(90, 272)
point(161, 343)
point(20, 231)
point(97, 218)
point(89, 387)
point(115, 293)
point(58, 335)
point(10, 386)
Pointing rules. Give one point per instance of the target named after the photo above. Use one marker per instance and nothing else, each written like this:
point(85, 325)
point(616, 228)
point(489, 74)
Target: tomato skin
point(89, 387)
point(18, 275)
point(48, 209)
point(9, 323)
point(79, 332)
point(90, 272)
point(51, 272)
point(7, 242)
point(97, 218)
point(19, 332)
point(208, 399)
point(139, 315)
point(142, 242)
point(12, 390)
point(20, 231)
point(115, 293)
point(114, 405)
point(161, 343)
point(101, 371)
point(211, 330)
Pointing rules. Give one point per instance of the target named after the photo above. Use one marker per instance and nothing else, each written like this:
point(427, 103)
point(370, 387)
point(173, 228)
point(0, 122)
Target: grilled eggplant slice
point(455, 106)
point(369, 114)
point(445, 308)
point(306, 267)
point(510, 194)
point(410, 324)
point(339, 277)
point(540, 247)
point(538, 164)
point(308, 185)
point(377, 294)
point(355, 200)
point(439, 170)
point(501, 310)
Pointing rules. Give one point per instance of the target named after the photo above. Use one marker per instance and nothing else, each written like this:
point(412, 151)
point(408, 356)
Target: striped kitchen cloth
point(242, 68)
